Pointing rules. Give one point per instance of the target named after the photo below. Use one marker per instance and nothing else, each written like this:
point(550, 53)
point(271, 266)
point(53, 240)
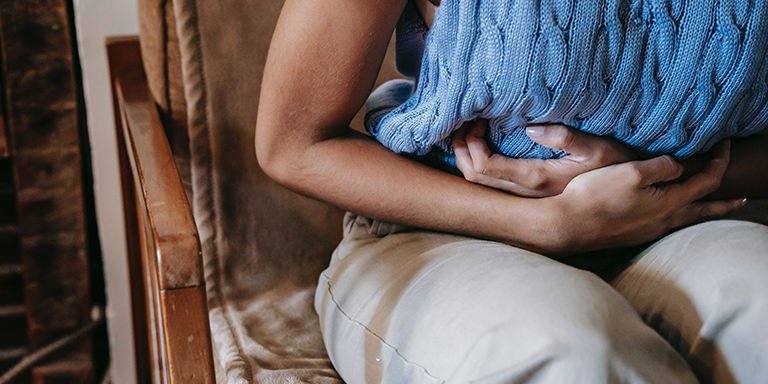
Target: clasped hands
point(603, 194)
point(535, 177)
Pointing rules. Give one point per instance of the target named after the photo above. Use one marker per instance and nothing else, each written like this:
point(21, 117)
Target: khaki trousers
point(404, 305)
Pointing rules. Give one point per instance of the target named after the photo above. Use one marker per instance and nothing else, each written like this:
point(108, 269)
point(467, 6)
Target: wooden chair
point(223, 261)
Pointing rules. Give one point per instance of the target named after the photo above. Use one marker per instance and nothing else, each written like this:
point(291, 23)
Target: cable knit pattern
point(664, 76)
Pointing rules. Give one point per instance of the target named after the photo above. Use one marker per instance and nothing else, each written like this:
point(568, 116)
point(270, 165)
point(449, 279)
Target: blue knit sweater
point(664, 76)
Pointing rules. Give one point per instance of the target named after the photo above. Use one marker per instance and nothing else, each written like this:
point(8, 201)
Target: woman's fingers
point(531, 177)
point(474, 160)
point(478, 148)
point(708, 180)
point(461, 151)
point(556, 136)
point(585, 147)
point(701, 211)
point(472, 154)
point(655, 170)
point(526, 172)
point(686, 194)
point(473, 168)
point(483, 161)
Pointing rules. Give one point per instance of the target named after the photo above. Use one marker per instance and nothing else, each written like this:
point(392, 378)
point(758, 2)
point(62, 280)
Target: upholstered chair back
point(263, 246)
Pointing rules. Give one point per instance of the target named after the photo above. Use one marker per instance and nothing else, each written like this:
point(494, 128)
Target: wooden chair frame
point(170, 314)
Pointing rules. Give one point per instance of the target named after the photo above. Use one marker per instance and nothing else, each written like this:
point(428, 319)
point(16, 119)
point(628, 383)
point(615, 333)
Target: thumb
point(656, 170)
point(561, 137)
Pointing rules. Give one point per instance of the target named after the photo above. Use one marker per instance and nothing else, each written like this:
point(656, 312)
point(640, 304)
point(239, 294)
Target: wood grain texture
point(70, 370)
point(3, 137)
point(122, 58)
point(188, 343)
point(163, 249)
point(43, 128)
point(171, 222)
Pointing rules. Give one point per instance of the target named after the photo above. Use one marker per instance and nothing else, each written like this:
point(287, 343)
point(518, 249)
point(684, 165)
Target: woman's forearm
point(357, 174)
point(619, 205)
point(321, 66)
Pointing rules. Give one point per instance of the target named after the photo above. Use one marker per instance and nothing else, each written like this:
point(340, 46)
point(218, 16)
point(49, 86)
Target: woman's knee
point(706, 268)
point(704, 289)
point(588, 334)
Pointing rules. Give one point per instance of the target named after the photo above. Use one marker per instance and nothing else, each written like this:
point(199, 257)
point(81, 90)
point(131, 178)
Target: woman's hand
point(535, 177)
point(633, 202)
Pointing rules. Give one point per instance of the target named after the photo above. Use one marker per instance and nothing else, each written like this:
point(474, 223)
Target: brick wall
point(44, 144)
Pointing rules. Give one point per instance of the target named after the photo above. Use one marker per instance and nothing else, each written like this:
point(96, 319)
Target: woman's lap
point(399, 305)
point(705, 289)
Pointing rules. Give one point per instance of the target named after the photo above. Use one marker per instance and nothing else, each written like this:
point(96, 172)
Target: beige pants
point(402, 305)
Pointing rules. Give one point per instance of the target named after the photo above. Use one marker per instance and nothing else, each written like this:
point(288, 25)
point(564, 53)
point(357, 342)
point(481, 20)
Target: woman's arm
point(322, 64)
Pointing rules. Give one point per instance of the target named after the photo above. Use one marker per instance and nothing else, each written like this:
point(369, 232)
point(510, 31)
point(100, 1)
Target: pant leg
point(423, 307)
point(705, 289)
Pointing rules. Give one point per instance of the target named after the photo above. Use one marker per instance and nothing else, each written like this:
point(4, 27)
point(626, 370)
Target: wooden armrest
point(168, 298)
point(175, 236)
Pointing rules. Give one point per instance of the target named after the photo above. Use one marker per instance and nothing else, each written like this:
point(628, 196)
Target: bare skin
point(535, 177)
point(428, 10)
point(746, 175)
point(322, 65)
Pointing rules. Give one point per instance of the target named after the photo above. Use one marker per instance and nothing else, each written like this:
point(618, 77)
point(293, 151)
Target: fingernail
point(743, 201)
point(535, 131)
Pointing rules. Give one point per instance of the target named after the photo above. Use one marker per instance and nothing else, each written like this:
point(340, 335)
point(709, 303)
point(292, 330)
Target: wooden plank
point(43, 128)
point(161, 233)
point(190, 358)
point(152, 292)
point(124, 55)
point(53, 213)
point(174, 231)
point(71, 370)
point(38, 55)
point(3, 138)
point(56, 280)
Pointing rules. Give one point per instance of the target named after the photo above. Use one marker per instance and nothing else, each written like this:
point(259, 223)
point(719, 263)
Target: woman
point(464, 287)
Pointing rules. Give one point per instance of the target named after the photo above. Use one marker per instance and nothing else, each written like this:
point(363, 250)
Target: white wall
point(95, 20)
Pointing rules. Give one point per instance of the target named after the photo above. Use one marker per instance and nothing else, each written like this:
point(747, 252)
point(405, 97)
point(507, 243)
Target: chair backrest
point(263, 246)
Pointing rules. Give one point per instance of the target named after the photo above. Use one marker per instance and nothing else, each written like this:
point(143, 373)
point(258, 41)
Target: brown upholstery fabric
point(263, 246)
point(162, 63)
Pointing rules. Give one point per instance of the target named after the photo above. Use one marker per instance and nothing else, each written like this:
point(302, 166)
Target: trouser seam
point(397, 352)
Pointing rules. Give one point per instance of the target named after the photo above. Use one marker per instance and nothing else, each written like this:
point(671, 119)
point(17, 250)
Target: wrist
point(566, 231)
point(543, 228)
